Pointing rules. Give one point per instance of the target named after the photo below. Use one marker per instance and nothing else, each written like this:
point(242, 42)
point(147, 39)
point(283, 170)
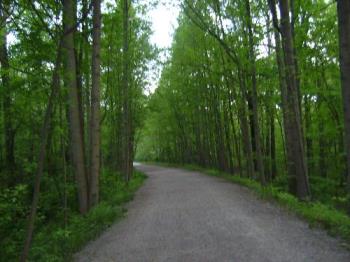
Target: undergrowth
point(58, 238)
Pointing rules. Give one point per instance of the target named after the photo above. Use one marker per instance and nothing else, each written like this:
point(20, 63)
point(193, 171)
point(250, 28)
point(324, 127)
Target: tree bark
point(343, 7)
point(9, 131)
point(85, 46)
point(273, 145)
point(259, 158)
point(297, 167)
point(127, 130)
point(309, 142)
point(270, 113)
point(322, 144)
point(70, 81)
point(95, 105)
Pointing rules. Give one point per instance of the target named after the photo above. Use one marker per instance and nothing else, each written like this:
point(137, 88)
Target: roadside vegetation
point(73, 78)
point(259, 90)
point(60, 232)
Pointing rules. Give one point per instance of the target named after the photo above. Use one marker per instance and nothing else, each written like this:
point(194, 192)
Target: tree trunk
point(259, 158)
point(297, 167)
point(42, 155)
point(85, 46)
point(343, 7)
point(309, 144)
point(271, 110)
point(127, 140)
point(294, 15)
point(9, 131)
point(273, 145)
point(281, 77)
point(70, 81)
point(95, 105)
point(322, 149)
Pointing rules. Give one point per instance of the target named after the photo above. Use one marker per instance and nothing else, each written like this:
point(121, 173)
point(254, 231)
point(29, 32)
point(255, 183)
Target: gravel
point(180, 215)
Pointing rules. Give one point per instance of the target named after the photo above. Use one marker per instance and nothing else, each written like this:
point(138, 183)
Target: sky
point(163, 17)
point(164, 22)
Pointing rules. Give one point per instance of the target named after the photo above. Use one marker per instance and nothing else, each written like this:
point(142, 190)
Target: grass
point(317, 214)
point(56, 240)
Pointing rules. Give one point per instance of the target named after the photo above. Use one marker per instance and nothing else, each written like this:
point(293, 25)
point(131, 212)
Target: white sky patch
point(11, 39)
point(163, 17)
point(164, 21)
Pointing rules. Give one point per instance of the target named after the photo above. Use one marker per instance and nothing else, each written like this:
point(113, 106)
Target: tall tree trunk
point(95, 105)
point(297, 168)
point(86, 88)
point(244, 125)
point(273, 145)
point(231, 95)
point(281, 77)
point(294, 15)
point(251, 118)
point(308, 121)
point(271, 108)
point(343, 7)
point(127, 142)
point(322, 149)
point(79, 75)
point(226, 127)
point(42, 155)
point(259, 158)
point(247, 145)
point(9, 131)
point(70, 81)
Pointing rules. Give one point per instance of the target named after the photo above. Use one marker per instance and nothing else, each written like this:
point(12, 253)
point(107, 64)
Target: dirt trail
point(180, 215)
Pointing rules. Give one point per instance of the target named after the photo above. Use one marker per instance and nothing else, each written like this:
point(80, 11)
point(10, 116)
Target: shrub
point(58, 237)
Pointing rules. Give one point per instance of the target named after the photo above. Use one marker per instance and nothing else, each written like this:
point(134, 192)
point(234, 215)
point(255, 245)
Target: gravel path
point(180, 215)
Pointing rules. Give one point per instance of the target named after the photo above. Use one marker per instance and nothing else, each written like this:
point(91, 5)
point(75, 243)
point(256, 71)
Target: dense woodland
point(256, 89)
point(72, 94)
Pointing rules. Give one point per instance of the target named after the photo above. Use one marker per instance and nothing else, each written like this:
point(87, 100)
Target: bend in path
point(180, 215)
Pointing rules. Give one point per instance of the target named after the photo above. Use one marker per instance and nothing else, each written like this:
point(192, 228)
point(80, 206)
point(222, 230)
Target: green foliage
point(316, 213)
point(57, 238)
point(195, 117)
point(34, 31)
point(202, 112)
point(141, 52)
point(13, 207)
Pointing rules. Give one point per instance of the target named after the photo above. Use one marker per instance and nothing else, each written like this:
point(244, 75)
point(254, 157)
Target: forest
point(258, 90)
point(72, 94)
